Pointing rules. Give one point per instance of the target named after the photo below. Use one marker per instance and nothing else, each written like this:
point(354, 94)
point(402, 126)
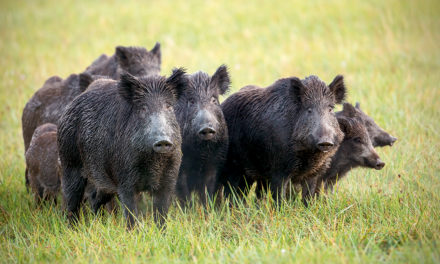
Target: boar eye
point(309, 110)
point(358, 140)
point(191, 101)
point(331, 108)
point(214, 100)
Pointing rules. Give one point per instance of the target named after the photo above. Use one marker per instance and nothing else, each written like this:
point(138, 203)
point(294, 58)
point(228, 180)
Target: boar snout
point(392, 140)
point(207, 133)
point(324, 136)
point(325, 145)
point(374, 161)
point(207, 123)
point(163, 146)
point(379, 164)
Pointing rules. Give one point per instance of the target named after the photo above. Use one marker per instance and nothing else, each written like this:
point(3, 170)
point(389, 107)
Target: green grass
point(389, 52)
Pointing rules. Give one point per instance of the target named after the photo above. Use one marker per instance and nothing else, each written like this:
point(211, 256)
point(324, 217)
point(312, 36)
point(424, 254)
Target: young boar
point(124, 138)
point(134, 60)
point(287, 131)
point(204, 133)
point(356, 149)
point(42, 163)
point(48, 103)
point(378, 136)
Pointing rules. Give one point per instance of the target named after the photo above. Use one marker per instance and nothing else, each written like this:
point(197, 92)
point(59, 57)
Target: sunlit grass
point(389, 53)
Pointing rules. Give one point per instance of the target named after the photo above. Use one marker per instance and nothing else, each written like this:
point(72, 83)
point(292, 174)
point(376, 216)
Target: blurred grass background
point(388, 51)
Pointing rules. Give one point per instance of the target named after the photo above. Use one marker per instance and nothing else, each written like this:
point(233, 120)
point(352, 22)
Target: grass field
point(389, 52)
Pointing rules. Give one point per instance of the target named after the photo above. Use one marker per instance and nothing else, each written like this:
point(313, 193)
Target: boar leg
point(183, 190)
point(329, 184)
point(243, 186)
point(231, 179)
point(100, 199)
point(277, 187)
point(206, 188)
point(127, 198)
point(210, 183)
point(161, 204)
point(39, 194)
point(26, 178)
point(73, 188)
point(308, 190)
point(260, 188)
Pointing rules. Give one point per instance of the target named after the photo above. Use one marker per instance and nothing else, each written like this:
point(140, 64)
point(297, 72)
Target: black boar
point(135, 60)
point(287, 131)
point(124, 138)
point(356, 150)
point(204, 133)
point(378, 136)
point(49, 102)
point(42, 163)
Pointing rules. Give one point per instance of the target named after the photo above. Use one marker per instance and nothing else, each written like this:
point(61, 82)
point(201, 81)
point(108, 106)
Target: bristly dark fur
point(274, 133)
point(197, 109)
point(108, 136)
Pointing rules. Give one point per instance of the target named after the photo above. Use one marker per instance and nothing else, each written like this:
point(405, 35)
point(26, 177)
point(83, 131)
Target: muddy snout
point(207, 133)
point(163, 146)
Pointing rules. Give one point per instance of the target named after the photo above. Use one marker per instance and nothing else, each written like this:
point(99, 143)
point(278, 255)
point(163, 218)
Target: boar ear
point(122, 55)
point(349, 110)
point(130, 88)
point(337, 87)
point(85, 79)
point(178, 81)
point(296, 89)
point(344, 125)
point(358, 106)
point(156, 51)
point(221, 79)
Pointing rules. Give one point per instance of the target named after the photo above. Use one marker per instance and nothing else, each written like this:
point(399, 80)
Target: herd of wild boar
point(120, 128)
